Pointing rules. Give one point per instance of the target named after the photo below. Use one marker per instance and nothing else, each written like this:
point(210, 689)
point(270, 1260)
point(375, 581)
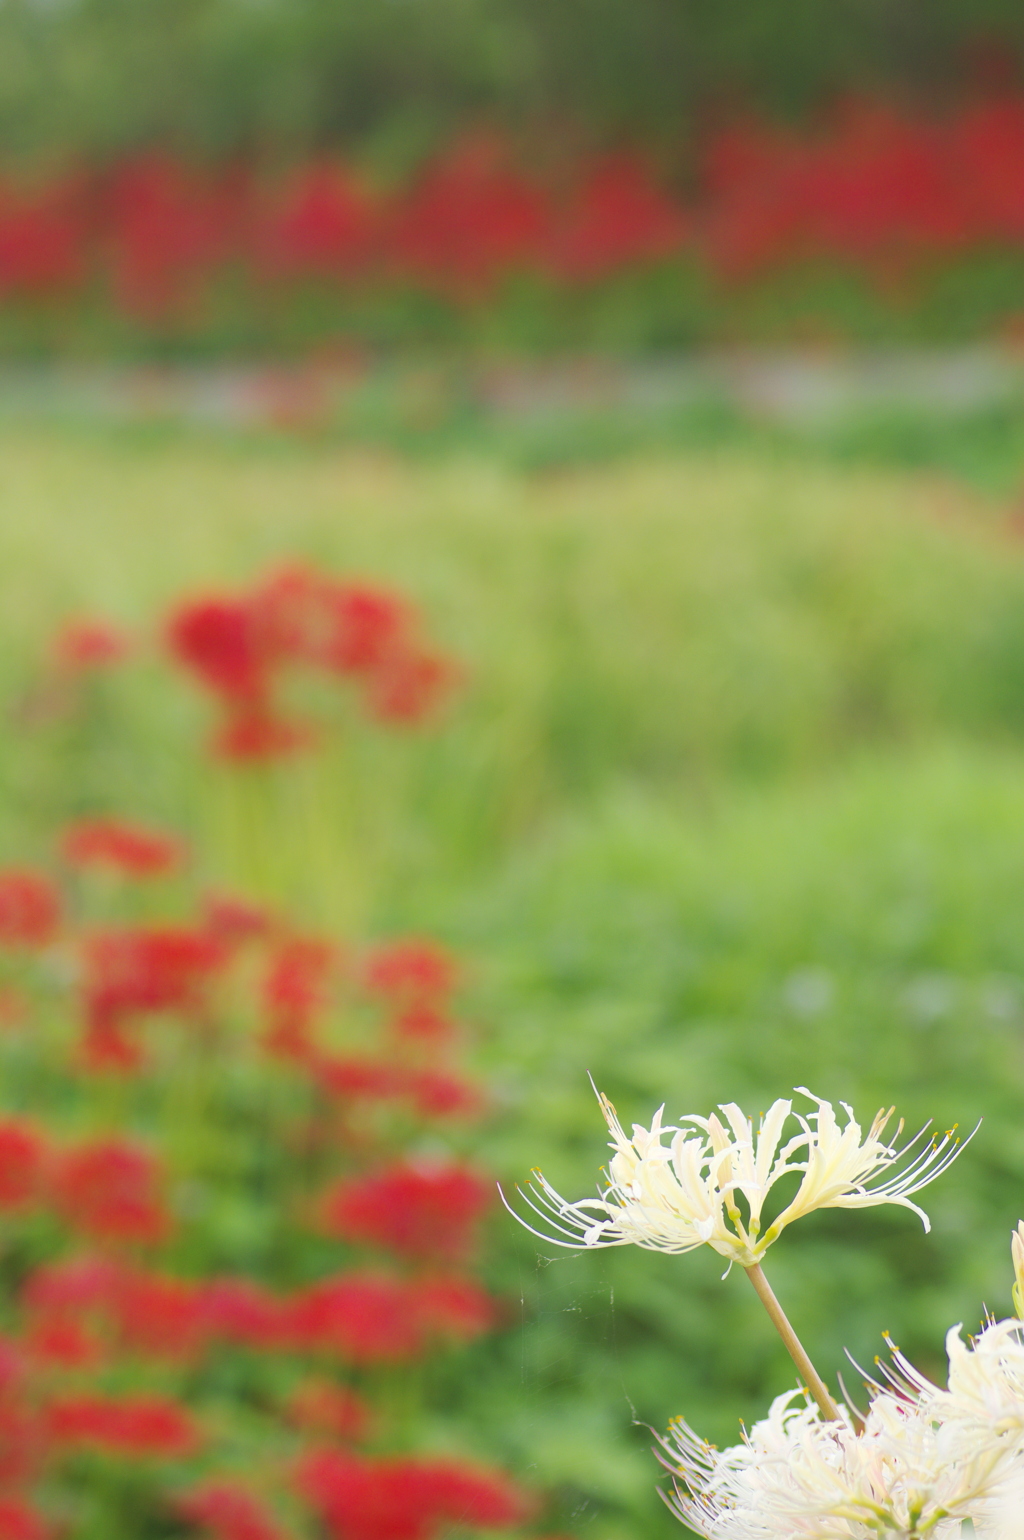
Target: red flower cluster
point(132, 972)
point(241, 647)
point(875, 187)
point(355, 1317)
point(30, 908)
point(120, 846)
point(224, 1510)
point(139, 1425)
point(394, 1499)
point(129, 1329)
point(106, 1190)
point(423, 1213)
point(293, 994)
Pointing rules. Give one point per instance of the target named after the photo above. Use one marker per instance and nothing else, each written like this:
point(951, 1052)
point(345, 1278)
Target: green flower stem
point(797, 1352)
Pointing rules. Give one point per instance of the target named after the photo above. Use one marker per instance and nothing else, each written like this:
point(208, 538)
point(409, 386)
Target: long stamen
point(797, 1352)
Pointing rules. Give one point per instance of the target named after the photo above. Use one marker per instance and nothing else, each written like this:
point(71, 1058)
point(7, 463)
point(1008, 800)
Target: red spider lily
point(61, 1341)
point(617, 218)
point(413, 969)
point(324, 1410)
point(142, 1313)
point(322, 226)
point(169, 228)
point(87, 644)
point(234, 920)
point(438, 1095)
point(294, 991)
point(348, 628)
point(42, 238)
point(120, 846)
point(109, 1190)
point(157, 1317)
point(19, 1520)
point(223, 643)
point(468, 221)
point(365, 1318)
point(423, 1213)
point(455, 1307)
point(241, 1311)
point(227, 1511)
point(401, 1499)
point(423, 1024)
point(23, 1161)
point(139, 1425)
point(359, 1078)
point(30, 908)
point(259, 734)
point(409, 685)
point(128, 973)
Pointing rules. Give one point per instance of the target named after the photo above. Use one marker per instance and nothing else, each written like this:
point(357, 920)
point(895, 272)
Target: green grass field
point(733, 801)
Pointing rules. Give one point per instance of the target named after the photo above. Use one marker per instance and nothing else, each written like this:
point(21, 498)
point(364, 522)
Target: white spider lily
point(903, 1475)
point(674, 1188)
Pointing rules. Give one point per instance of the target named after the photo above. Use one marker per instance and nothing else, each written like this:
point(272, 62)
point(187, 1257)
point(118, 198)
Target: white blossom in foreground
point(904, 1476)
point(673, 1188)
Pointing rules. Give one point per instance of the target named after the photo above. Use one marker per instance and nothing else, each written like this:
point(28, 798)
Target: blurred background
point(511, 566)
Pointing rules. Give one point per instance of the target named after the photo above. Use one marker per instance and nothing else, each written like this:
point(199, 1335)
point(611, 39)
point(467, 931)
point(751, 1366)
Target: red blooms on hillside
point(874, 187)
point(110, 1191)
point(422, 1213)
point(120, 846)
point(30, 908)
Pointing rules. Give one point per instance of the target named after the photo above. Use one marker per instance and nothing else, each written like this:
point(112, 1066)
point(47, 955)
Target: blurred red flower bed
point(199, 1056)
point(871, 187)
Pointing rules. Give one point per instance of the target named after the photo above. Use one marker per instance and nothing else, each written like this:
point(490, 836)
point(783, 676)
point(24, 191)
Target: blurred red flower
point(141, 1425)
point(364, 1317)
point(85, 644)
point(294, 991)
point(227, 1511)
point(120, 846)
point(109, 1190)
point(409, 685)
point(23, 1157)
point(19, 1520)
point(422, 1213)
point(401, 1499)
point(30, 907)
point(412, 969)
point(223, 643)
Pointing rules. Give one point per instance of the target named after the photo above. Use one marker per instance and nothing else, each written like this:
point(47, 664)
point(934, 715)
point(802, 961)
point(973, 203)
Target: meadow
point(727, 798)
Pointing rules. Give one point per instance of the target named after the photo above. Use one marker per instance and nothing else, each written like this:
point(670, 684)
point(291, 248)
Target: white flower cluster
point(674, 1188)
point(921, 1463)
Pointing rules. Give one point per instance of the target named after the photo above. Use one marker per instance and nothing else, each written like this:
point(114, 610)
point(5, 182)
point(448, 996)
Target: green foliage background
point(98, 76)
point(733, 802)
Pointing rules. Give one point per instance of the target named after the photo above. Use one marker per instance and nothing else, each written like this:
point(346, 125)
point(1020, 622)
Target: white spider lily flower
point(674, 1188)
point(903, 1476)
point(985, 1396)
point(1017, 1257)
